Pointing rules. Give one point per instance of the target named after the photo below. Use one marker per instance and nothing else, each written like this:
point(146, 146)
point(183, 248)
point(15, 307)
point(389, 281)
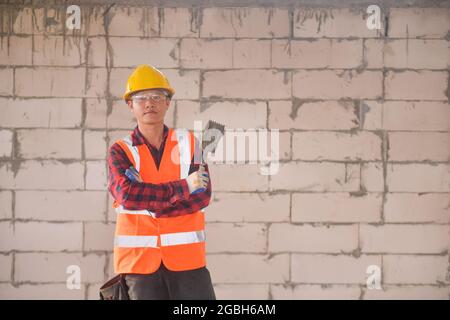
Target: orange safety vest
point(141, 240)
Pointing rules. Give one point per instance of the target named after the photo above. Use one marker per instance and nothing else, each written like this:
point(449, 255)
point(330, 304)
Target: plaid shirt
point(165, 199)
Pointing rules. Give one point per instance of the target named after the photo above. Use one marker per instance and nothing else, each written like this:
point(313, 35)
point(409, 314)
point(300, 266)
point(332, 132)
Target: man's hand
point(198, 179)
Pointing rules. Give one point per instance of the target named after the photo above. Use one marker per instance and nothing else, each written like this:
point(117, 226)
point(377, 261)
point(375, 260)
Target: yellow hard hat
point(146, 77)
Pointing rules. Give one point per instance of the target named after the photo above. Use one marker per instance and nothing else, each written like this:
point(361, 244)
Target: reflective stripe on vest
point(173, 239)
point(136, 241)
point(134, 151)
point(121, 210)
point(185, 152)
point(168, 239)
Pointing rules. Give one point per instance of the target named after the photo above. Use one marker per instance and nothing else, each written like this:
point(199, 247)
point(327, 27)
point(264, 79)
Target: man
point(159, 241)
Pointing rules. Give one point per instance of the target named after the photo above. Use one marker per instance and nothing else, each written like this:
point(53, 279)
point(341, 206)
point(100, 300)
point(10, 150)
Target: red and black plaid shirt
point(164, 199)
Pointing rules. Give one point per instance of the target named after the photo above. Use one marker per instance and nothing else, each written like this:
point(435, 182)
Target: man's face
point(149, 106)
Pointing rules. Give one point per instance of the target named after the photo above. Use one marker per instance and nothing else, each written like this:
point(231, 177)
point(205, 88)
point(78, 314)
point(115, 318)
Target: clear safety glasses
point(155, 97)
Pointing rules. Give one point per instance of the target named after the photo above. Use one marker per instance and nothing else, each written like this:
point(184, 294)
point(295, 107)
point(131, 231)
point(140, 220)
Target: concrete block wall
point(364, 121)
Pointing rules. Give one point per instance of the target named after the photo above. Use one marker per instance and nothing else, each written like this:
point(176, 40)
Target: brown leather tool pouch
point(115, 289)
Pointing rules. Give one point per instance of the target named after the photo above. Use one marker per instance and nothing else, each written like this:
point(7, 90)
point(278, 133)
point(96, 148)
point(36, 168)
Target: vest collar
point(137, 138)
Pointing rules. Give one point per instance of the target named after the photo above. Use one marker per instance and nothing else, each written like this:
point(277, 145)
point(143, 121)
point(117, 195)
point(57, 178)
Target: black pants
point(171, 285)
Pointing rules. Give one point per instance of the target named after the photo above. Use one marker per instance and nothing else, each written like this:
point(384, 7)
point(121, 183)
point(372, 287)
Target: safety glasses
point(155, 97)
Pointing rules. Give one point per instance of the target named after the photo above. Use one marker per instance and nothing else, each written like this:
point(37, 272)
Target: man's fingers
point(202, 180)
point(197, 180)
point(205, 179)
point(202, 173)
